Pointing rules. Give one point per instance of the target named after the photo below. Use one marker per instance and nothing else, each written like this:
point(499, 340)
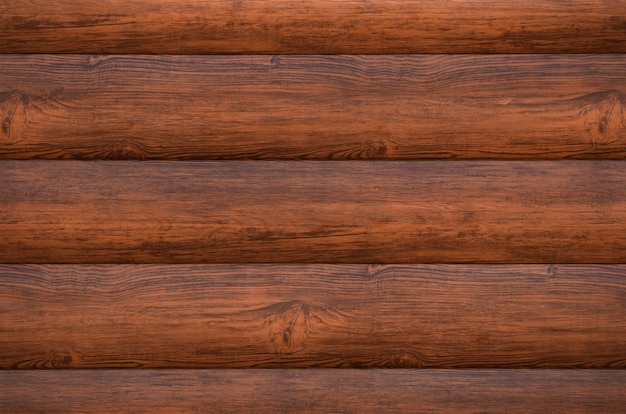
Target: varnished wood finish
point(219, 250)
point(317, 26)
point(441, 316)
point(312, 107)
point(313, 391)
point(316, 212)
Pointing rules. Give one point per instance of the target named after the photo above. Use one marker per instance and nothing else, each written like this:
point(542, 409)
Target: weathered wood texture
point(312, 107)
point(436, 316)
point(317, 212)
point(317, 26)
point(313, 391)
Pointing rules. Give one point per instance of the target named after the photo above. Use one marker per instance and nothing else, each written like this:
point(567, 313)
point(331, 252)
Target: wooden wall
point(312, 206)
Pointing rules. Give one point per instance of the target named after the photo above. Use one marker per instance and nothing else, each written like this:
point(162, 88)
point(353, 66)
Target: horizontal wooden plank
point(313, 391)
point(317, 26)
point(316, 212)
point(313, 107)
point(358, 316)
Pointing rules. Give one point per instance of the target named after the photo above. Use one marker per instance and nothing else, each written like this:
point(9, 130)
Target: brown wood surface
point(244, 316)
point(313, 391)
point(312, 107)
point(312, 26)
point(316, 212)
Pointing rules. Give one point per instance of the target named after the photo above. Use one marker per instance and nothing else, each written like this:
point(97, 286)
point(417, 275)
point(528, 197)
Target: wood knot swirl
point(403, 359)
point(275, 62)
point(377, 151)
point(291, 323)
point(383, 276)
point(54, 359)
point(288, 329)
point(604, 118)
point(13, 117)
point(552, 271)
point(126, 151)
point(61, 360)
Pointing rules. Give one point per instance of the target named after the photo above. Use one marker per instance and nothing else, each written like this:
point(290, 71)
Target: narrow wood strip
point(312, 107)
point(317, 26)
point(313, 391)
point(321, 212)
point(243, 316)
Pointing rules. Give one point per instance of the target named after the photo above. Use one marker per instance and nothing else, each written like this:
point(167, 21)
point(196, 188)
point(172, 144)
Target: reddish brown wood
point(312, 107)
point(317, 105)
point(317, 26)
point(313, 391)
point(316, 212)
point(438, 316)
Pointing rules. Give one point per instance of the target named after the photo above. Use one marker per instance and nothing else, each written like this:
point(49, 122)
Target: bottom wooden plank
point(317, 390)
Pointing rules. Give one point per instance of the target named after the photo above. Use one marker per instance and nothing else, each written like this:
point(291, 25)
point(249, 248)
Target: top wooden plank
point(312, 26)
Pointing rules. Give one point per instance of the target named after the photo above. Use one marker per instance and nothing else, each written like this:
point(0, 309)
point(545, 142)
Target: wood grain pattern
point(316, 212)
point(312, 107)
point(318, 26)
point(357, 316)
point(313, 391)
